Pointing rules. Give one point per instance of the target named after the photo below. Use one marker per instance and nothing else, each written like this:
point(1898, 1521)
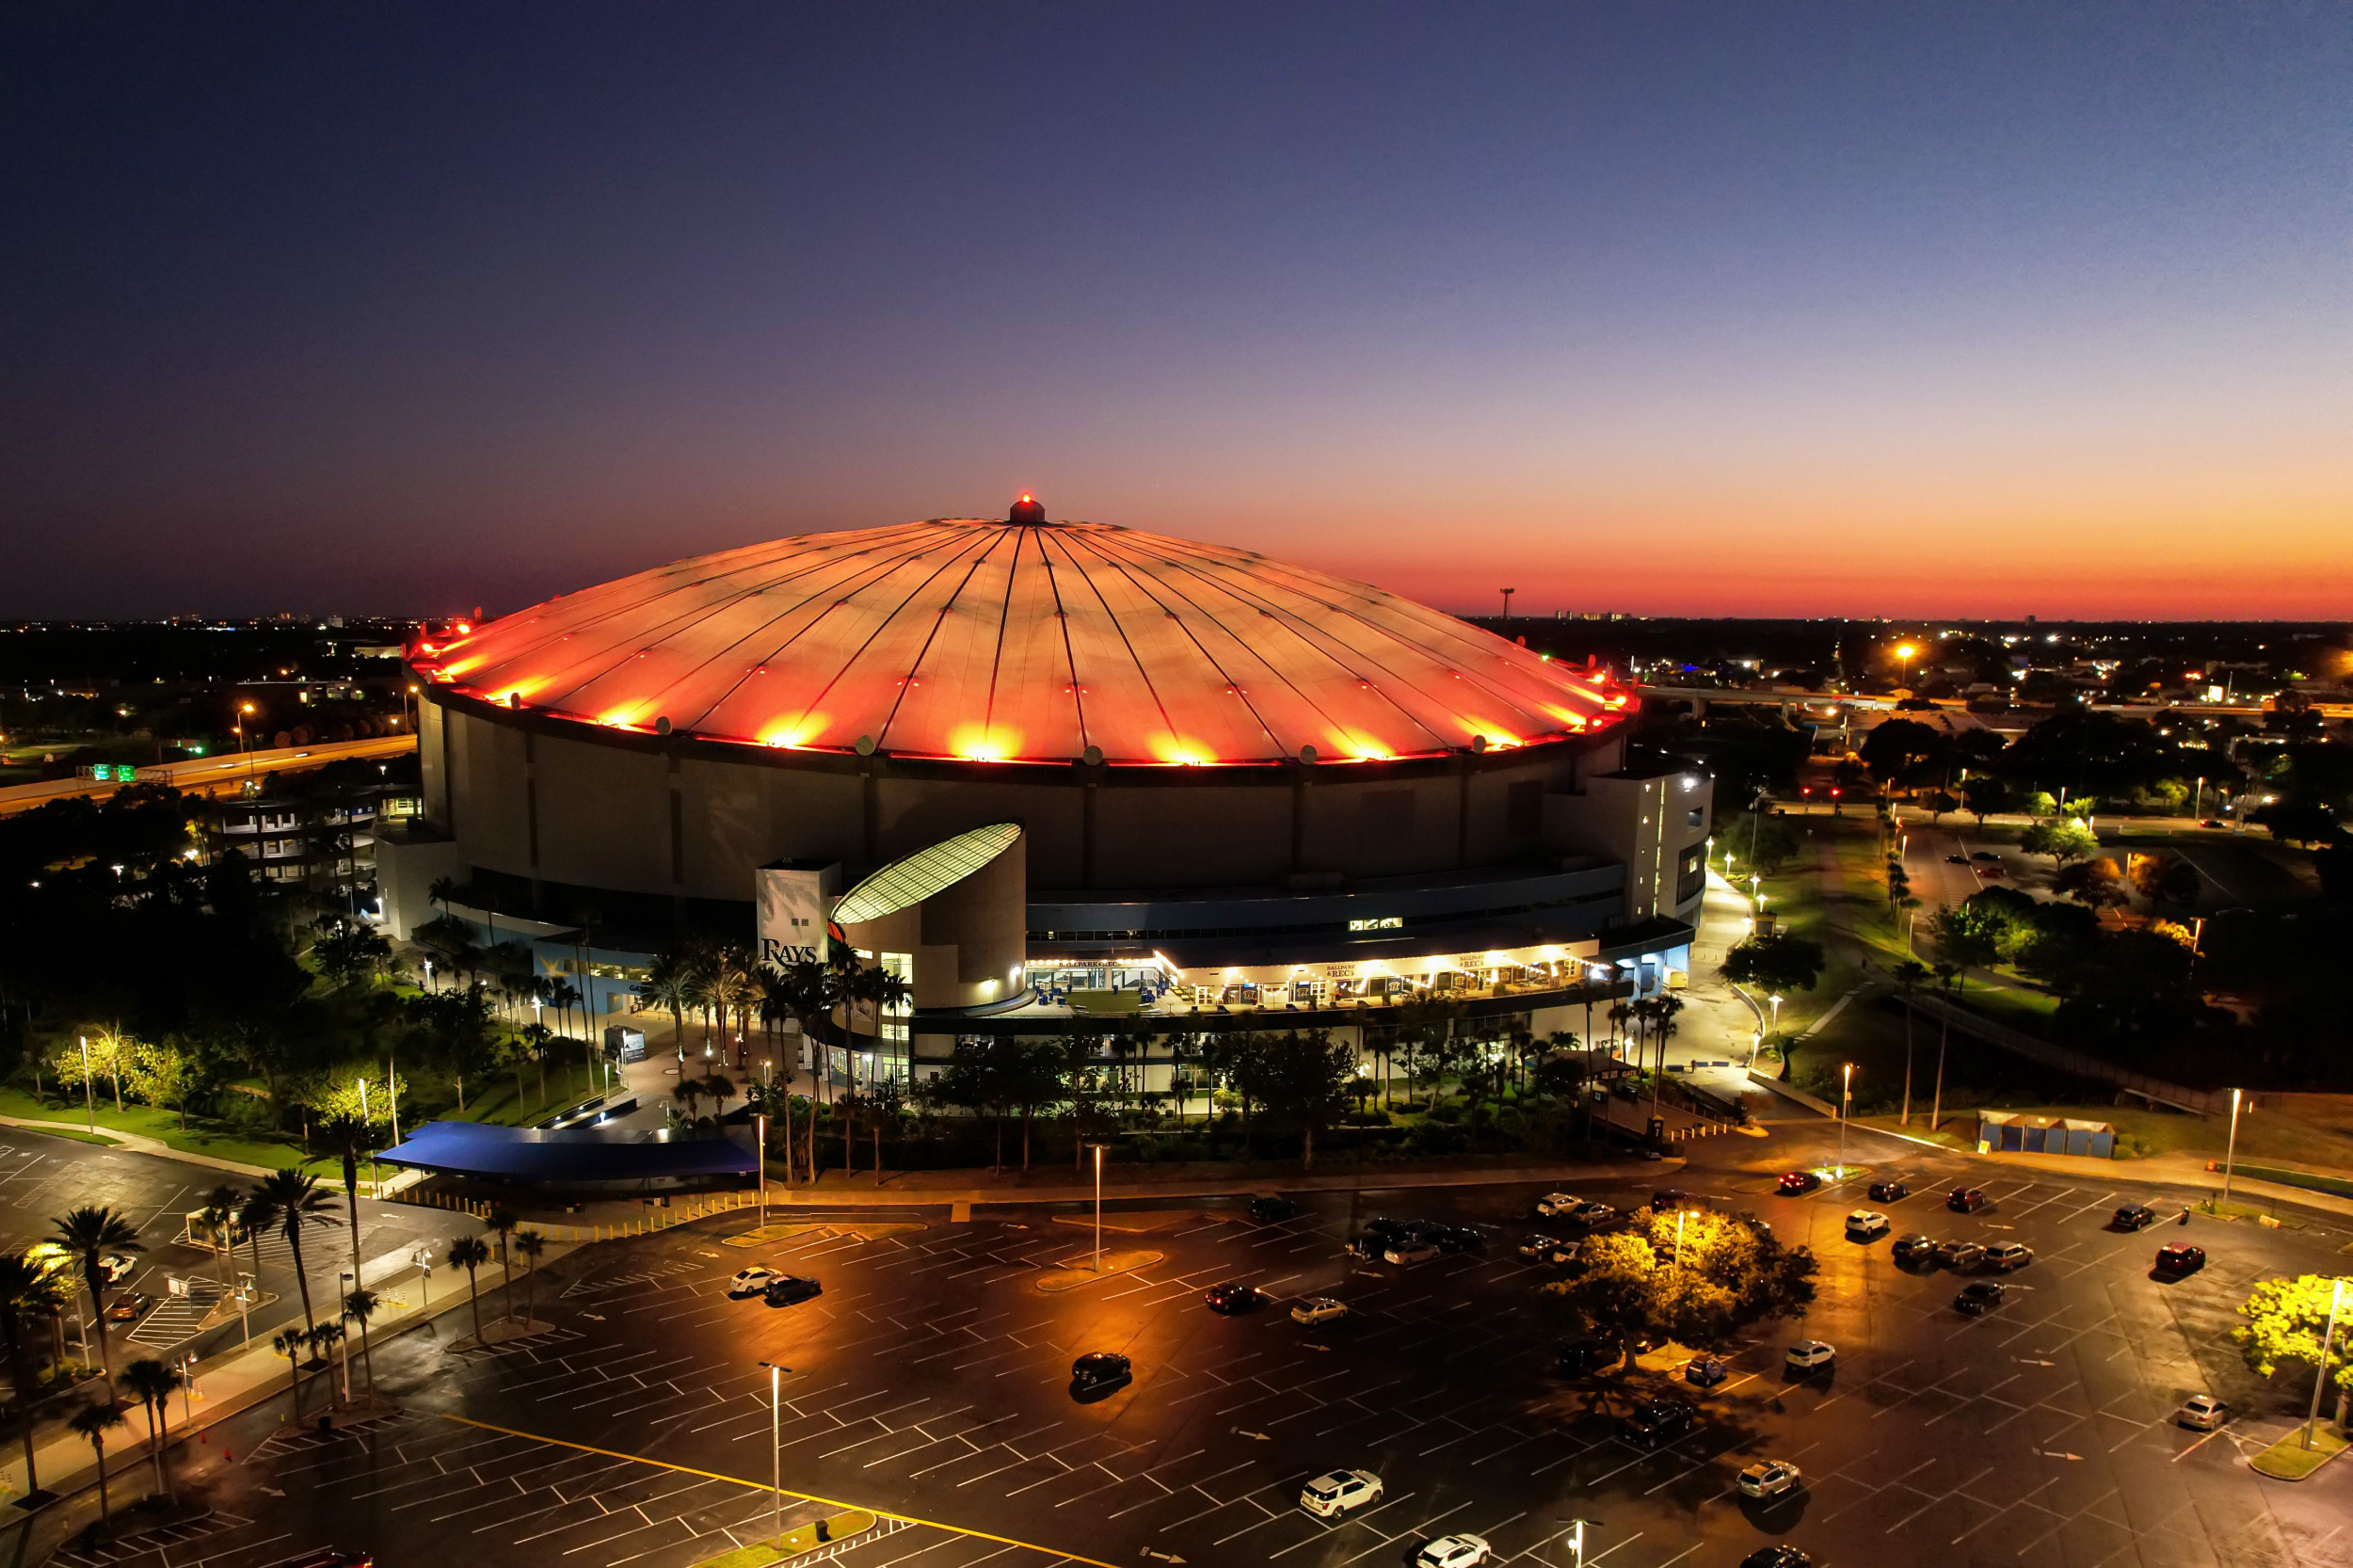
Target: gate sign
point(792, 905)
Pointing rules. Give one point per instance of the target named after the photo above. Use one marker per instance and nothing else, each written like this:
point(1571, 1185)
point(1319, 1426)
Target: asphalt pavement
point(930, 1381)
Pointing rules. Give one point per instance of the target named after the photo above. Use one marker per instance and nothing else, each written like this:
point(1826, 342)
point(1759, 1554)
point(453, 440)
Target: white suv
point(1329, 1496)
point(1769, 1478)
point(1808, 1355)
point(1865, 1223)
point(1553, 1203)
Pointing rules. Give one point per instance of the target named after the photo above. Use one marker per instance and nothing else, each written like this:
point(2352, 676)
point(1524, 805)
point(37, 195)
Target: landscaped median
point(1082, 1269)
point(792, 1542)
point(2290, 1460)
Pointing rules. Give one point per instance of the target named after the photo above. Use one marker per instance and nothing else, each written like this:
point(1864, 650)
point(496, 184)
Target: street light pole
point(88, 1109)
point(776, 1445)
point(2229, 1157)
point(760, 1153)
point(1846, 1113)
point(2320, 1373)
point(1098, 1209)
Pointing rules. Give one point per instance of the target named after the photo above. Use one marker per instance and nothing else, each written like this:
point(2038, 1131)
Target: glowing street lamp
point(1845, 1113)
point(1904, 652)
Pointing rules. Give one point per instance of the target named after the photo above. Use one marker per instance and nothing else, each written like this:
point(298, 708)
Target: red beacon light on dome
point(1027, 512)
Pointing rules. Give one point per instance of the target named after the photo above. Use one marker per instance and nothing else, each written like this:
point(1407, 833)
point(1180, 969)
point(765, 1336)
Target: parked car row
point(775, 1289)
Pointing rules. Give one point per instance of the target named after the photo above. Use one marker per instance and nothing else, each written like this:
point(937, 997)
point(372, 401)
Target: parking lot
point(931, 1381)
point(42, 1177)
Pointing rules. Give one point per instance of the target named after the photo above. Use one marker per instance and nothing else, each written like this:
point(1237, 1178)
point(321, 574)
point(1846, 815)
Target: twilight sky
point(1718, 308)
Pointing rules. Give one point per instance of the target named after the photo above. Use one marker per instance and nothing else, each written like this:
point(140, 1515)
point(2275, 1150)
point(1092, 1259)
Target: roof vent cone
point(1028, 512)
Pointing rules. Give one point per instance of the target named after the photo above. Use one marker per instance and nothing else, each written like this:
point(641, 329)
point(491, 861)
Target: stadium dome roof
point(1021, 641)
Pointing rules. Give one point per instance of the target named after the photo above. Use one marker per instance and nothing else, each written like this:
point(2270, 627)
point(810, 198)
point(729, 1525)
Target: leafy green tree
point(94, 1421)
point(1304, 1079)
point(1903, 751)
point(89, 1234)
point(2285, 1322)
point(1777, 962)
point(2167, 879)
point(1699, 1278)
point(1986, 796)
point(165, 1076)
point(2092, 884)
point(1759, 843)
point(2062, 840)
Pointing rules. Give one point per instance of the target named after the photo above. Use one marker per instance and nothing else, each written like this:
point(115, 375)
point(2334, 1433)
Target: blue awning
point(524, 1154)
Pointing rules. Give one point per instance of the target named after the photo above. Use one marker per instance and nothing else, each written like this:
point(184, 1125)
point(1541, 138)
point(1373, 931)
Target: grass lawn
point(201, 1137)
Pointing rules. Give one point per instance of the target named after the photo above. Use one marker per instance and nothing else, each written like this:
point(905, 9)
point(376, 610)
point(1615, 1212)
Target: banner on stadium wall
point(791, 902)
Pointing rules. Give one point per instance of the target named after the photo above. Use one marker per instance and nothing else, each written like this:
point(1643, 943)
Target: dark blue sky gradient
point(1720, 308)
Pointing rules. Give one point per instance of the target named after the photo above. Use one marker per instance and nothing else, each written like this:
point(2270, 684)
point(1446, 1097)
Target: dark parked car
point(1451, 1238)
point(2179, 1257)
point(1799, 1181)
point(1231, 1297)
point(1668, 1199)
point(1548, 1249)
point(1583, 1357)
point(1781, 1556)
point(1915, 1249)
point(1381, 1229)
point(1889, 1192)
point(1100, 1369)
point(1657, 1421)
point(2134, 1216)
point(1980, 1297)
point(1966, 1200)
point(1704, 1371)
point(1271, 1206)
point(790, 1290)
point(1955, 860)
point(1983, 855)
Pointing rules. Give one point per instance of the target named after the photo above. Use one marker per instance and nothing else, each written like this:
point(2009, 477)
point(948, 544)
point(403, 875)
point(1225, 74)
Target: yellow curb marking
point(758, 1486)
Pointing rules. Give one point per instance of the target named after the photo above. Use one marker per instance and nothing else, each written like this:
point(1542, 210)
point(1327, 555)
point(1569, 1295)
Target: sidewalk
point(138, 1142)
point(233, 1383)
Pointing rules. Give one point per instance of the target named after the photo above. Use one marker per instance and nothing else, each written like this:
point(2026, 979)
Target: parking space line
point(756, 1486)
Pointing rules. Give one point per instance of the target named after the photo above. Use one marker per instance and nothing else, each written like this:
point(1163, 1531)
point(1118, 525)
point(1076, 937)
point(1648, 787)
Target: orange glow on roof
point(992, 641)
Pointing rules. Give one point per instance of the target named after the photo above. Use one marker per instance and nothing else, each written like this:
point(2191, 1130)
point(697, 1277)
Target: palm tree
point(291, 1199)
point(529, 1244)
point(89, 1233)
point(348, 1135)
point(293, 1344)
point(94, 1421)
point(151, 1383)
point(469, 1254)
point(502, 1223)
point(323, 1340)
point(219, 1215)
point(668, 985)
point(358, 1307)
point(25, 1287)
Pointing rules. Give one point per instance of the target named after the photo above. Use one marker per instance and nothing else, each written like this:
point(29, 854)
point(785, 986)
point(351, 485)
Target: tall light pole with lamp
point(1846, 1113)
point(1098, 1209)
point(776, 1445)
point(2230, 1155)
